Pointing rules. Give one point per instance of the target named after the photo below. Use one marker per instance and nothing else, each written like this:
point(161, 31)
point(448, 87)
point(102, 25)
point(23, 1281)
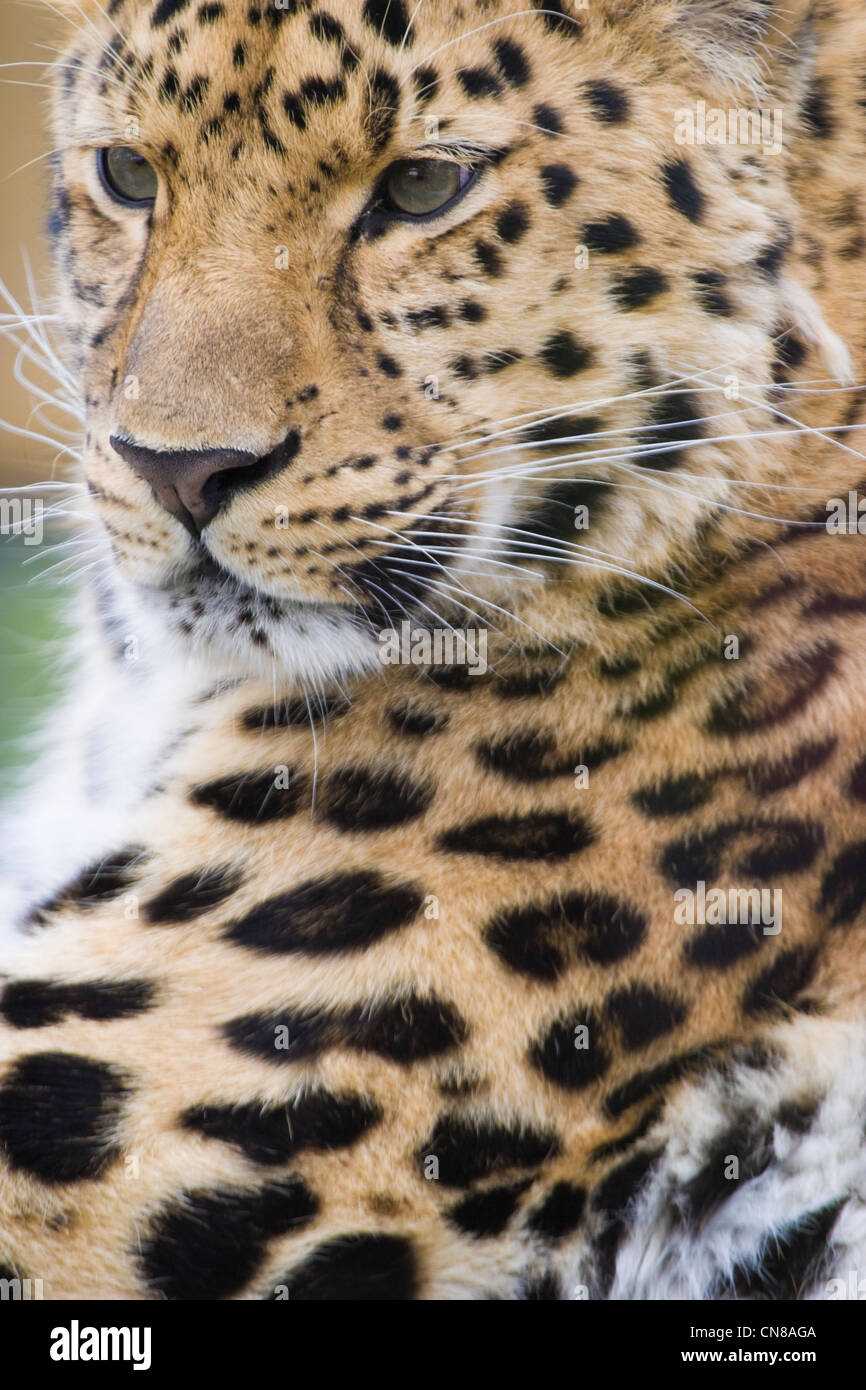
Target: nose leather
point(192, 484)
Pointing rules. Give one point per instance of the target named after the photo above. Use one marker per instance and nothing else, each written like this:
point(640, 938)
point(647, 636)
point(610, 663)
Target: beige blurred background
point(24, 26)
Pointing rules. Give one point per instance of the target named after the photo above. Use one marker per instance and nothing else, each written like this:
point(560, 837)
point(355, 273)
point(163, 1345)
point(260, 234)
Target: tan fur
point(218, 340)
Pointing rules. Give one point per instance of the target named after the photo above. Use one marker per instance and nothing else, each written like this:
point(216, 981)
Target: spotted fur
point(298, 1011)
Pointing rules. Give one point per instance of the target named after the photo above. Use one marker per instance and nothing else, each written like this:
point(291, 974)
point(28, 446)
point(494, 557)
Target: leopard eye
point(127, 176)
point(418, 187)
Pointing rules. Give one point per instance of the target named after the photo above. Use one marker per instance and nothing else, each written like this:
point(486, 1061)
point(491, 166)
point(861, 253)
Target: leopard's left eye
point(419, 187)
point(127, 176)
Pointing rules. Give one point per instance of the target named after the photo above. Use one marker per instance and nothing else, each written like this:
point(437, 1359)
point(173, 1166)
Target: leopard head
point(381, 310)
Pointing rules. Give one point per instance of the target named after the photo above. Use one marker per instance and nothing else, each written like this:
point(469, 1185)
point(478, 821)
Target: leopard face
point(381, 314)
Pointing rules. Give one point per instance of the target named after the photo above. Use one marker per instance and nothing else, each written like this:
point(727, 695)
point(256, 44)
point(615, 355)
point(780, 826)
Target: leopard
point(340, 965)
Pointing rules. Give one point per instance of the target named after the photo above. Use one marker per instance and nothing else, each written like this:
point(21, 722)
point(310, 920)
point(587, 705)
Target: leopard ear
point(759, 46)
point(752, 47)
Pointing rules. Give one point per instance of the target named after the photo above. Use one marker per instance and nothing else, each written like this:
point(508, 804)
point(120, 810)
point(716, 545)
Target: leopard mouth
point(232, 626)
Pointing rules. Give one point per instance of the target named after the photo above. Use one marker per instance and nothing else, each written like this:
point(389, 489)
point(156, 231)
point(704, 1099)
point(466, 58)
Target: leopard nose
point(192, 484)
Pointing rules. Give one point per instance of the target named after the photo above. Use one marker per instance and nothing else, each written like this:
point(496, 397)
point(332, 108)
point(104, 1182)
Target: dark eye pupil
point(127, 174)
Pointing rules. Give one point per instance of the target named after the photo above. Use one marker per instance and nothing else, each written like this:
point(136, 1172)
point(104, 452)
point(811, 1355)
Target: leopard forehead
point(351, 379)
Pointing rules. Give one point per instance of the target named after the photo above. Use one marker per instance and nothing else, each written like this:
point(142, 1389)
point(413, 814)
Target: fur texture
point(371, 981)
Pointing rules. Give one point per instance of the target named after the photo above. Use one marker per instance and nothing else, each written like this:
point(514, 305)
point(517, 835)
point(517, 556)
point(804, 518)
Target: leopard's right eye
point(127, 176)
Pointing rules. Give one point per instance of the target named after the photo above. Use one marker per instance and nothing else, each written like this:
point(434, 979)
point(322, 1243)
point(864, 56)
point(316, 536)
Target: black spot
point(253, 796)
point(682, 190)
point(195, 93)
point(548, 119)
point(488, 258)
point(292, 714)
point(857, 784)
point(326, 28)
point(390, 19)
point(470, 1149)
point(797, 1116)
point(609, 102)
point(780, 983)
point(39, 1003)
point(324, 916)
point(563, 355)
point(100, 882)
point(622, 1185)
point(406, 1030)
point(384, 107)
point(435, 316)
point(710, 292)
point(830, 603)
point(239, 56)
point(369, 799)
point(412, 720)
point(359, 1267)
point(765, 778)
point(843, 888)
point(638, 286)
point(319, 91)
point(719, 947)
point(796, 1261)
point(538, 835)
point(817, 112)
point(646, 1083)
point(675, 795)
point(559, 1214)
point(426, 81)
point(614, 1197)
point(294, 110)
point(791, 685)
point(486, 1214)
point(471, 311)
point(166, 10)
point(388, 366)
point(192, 894)
point(613, 234)
point(209, 14)
point(543, 940)
point(710, 1188)
point(208, 1244)
point(557, 20)
point(479, 82)
point(612, 1148)
point(533, 756)
point(618, 667)
point(558, 183)
point(513, 222)
point(269, 1134)
point(644, 1014)
point(556, 1055)
point(674, 421)
point(512, 62)
point(760, 849)
point(59, 1115)
point(769, 261)
point(790, 354)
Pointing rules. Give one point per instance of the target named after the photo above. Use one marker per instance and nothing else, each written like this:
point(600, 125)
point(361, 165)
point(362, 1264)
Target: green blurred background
point(31, 601)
